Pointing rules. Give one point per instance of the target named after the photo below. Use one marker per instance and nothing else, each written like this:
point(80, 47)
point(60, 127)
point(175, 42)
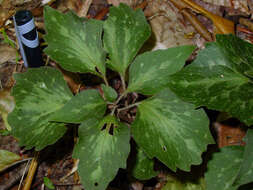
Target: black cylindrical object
point(28, 35)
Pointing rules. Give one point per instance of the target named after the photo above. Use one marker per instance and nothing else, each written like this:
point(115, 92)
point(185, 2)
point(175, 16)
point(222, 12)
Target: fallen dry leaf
point(132, 3)
point(229, 135)
point(168, 25)
point(7, 104)
point(241, 5)
point(7, 53)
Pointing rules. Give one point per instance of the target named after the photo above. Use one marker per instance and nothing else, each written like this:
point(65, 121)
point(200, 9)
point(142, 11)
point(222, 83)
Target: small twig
point(31, 172)
point(25, 170)
point(128, 107)
point(73, 170)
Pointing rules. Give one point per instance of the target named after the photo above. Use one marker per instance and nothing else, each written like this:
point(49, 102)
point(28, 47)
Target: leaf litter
point(170, 28)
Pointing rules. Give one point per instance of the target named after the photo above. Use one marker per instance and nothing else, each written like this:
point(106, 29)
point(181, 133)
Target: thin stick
point(31, 172)
point(22, 178)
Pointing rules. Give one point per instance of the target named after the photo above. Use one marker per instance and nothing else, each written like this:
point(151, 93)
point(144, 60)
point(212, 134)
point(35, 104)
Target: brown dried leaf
point(132, 3)
point(7, 104)
point(80, 7)
point(168, 25)
point(7, 53)
point(241, 5)
point(229, 135)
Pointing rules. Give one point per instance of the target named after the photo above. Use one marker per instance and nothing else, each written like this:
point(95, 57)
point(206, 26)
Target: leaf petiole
point(128, 107)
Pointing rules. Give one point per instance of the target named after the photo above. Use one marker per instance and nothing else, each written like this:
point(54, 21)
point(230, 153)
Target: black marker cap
point(33, 54)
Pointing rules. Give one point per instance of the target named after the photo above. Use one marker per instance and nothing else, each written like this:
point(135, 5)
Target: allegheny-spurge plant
point(166, 127)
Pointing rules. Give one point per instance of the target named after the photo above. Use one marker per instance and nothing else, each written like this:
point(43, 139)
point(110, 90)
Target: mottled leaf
point(223, 168)
point(144, 167)
point(76, 45)
point(245, 174)
point(171, 130)
point(109, 93)
point(38, 93)
point(102, 150)
point(177, 184)
point(86, 104)
point(125, 31)
point(149, 72)
point(220, 78)
point(7, 158)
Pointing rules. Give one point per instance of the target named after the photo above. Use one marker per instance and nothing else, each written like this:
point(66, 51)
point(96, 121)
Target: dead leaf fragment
point(132, 3)
point(241, 5)
point(7, 53)
point(168, 25)
point(7, 104)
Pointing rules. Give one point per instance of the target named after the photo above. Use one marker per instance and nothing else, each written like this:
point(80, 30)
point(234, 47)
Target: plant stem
point(120, 97)
point(123, 83)
point(128, 107)
point(105, 80)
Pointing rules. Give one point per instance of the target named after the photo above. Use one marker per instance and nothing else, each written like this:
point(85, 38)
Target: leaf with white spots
point(38, 93)
point(245, 174)
point(109, 93)
point(143, 167)
point(102, 148)
point(223, 168)
point(149, 72)
point(86, 104)
point(171, 130)
point(74, 43)
point(174, 183)
point(125, 31)
point(221, 78)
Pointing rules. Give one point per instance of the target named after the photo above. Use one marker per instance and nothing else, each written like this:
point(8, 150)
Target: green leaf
point(101, 151)
point(76, 45)
point(149, 72)
point(109, 93)
point(38, 94)
point(84, 105)
point(171, 130)
point(223, 168)
point(7, 158)
point(144, 166)
point(245, 174)
point(219, 78)
point(48, 183)
point(125, 31)
point(176, 184)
